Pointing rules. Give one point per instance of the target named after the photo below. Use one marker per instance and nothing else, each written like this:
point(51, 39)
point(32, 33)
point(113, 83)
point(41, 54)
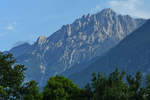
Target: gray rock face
point(131, 54)
point(77, 43)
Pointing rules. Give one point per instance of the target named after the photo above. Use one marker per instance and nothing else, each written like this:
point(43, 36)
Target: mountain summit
point(76, 43)
point(108, 11)
point(131, 54)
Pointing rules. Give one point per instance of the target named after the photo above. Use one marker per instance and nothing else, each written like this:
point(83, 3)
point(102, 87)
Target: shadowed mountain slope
point(131, 54)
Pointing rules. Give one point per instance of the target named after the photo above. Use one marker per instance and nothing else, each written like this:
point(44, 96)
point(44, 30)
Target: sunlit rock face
point(77, 43)
point(132, 54)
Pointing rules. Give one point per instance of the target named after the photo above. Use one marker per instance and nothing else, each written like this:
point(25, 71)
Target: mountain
point(131, 54)
point(76, 44)
point(20, 49)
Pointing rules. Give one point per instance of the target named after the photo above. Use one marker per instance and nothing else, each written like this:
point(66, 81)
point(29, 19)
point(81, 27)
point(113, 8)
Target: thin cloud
point(10, 26)
point(135, 8)
point(96, 9)
point(131, 7)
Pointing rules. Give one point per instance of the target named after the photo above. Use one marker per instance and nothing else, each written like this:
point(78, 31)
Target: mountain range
point(74, 45)
point(132, 54)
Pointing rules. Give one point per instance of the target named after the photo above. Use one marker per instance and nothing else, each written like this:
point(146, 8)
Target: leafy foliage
point(61, 88)
point(31, 91)
point(11, 76)
point(115, 86)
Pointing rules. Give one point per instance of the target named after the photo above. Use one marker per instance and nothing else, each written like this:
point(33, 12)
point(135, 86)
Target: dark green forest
point(115, 86)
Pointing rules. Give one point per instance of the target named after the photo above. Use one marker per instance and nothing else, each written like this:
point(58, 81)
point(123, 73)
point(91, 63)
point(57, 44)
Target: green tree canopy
point(61, 88)
point(11, 75)
point(31, 91)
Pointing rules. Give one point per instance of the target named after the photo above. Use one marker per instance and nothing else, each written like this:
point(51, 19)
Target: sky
point(25, 20)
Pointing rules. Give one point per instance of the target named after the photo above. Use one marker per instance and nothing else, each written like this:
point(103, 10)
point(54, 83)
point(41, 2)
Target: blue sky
point(26, 20)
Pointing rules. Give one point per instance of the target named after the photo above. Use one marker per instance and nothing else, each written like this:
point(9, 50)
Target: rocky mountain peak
point(108, 11)
point(77, 43)
point(131, 55)
point(41, 40)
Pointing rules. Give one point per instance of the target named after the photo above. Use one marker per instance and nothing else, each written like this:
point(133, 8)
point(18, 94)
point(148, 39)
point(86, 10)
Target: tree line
point(115, 86)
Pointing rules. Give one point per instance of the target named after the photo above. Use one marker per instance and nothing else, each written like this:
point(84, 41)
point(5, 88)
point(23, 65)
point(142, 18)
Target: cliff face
point(76, 43)
point(131, 54)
